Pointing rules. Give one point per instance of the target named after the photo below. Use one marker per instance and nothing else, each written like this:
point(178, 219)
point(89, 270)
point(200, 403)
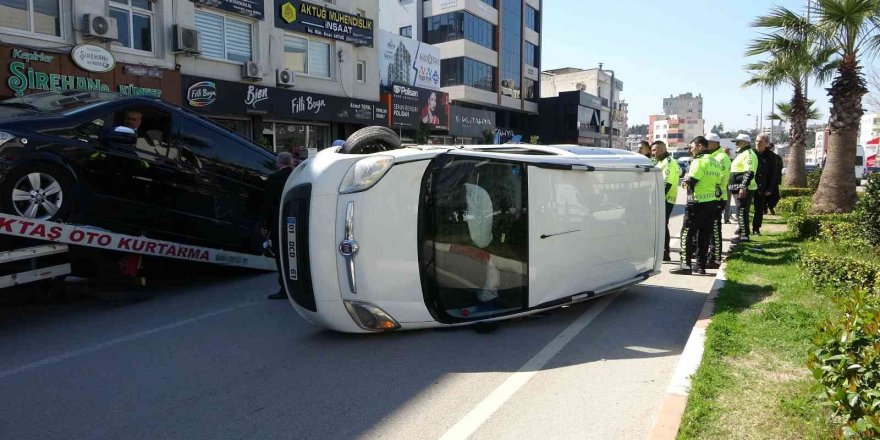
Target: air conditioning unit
point(186, 39)
point(285, 78)
point(100, 26)
point(251, 71)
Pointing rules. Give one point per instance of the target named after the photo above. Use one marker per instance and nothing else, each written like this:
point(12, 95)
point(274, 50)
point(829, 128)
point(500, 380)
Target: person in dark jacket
point(270, 212)
point(766, 179)
point(775, 194)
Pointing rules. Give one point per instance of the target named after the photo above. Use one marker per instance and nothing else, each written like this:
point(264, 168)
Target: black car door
point(132, 183)
point(209, 183)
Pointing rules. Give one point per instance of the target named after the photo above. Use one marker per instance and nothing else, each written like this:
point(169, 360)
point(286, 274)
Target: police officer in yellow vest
point(723, 159)
point(743, 184)
point(671, 173)
point(703, 183)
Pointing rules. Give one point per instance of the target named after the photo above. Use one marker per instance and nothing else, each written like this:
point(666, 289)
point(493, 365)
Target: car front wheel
point(37, 191)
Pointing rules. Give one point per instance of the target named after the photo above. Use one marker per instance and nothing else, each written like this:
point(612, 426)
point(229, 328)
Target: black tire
point(18, 177)
point(371, 140)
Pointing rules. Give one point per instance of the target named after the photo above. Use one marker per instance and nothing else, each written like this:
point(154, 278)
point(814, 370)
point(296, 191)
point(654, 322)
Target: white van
point(428, 236)
point(860, 164)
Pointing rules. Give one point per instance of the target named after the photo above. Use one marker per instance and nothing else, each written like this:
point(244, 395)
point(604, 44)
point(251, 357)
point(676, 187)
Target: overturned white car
point(376, 237)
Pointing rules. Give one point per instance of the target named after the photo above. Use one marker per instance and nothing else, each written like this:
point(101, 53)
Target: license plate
point(291, 249)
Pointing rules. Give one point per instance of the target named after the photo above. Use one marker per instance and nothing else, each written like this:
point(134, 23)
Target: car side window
point(257, 162)
point(153, 127)
point(205, 147)
point(91, 130)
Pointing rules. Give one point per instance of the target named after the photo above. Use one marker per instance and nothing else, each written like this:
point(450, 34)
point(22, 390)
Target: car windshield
point(57, 102)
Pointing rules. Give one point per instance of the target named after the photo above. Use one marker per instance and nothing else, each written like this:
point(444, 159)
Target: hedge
point(791, 206)
point(828, 268)
point(795, 192)
point(804, 227)
point(846, 362)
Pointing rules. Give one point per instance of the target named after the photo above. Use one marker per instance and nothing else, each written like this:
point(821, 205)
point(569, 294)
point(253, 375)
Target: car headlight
point(5, 137)
point(369, 317)
point(365, 173)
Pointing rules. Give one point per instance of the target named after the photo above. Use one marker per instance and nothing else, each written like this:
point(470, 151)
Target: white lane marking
point(100, 346)
point(477, 416)
point(646, 350)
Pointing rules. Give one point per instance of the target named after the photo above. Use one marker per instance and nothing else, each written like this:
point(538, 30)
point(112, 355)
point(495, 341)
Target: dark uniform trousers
point(715, 242)
point(669, 207)
point(743, 211)
point(761, 203)
point(699, 219)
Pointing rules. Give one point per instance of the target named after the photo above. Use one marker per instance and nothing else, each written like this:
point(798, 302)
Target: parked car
point(427, 236)
point(131, 165)
point(871, 170)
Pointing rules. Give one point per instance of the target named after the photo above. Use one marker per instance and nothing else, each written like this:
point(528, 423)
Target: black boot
point(280, 294)
point(681, 270)
point(713, 265)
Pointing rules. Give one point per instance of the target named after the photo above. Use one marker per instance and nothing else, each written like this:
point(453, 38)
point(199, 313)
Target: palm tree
point(783, 112)
point(791, 60)
point(852, 29)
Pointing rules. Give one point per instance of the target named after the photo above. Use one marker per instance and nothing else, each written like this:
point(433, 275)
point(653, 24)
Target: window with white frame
point(223, 37)
point(37, 16)
point(362, 71)
point(308, 56)
point(134, 20)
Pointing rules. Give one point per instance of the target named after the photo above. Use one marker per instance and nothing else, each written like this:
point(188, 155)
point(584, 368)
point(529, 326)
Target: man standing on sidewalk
point(775, 194)
point(715, 243)
point(765, 178)
point(703, 183)
point(742, 184)
point(671, 172)
point(271, 206)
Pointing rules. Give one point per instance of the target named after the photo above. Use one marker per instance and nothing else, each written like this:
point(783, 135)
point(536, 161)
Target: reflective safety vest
point(722, 158)
point(707, 171)
point(671, 172)
point(746, 161)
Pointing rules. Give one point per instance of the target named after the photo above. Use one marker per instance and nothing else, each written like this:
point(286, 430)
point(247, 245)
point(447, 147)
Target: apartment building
point(490, 58)
point(869, 128)
point(611, 121)
point(286, 73)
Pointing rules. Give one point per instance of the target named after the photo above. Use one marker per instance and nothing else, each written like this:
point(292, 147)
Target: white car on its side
point(377, 237)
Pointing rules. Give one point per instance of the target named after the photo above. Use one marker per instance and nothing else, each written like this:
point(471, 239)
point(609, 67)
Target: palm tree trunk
point(837, 189)
point(795, 169)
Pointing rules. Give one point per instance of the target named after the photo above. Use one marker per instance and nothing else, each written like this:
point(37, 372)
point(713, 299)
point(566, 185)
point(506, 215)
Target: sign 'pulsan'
point(305, 17)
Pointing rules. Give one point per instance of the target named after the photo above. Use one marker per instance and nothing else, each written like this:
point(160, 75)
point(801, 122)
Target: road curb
point(675, 400)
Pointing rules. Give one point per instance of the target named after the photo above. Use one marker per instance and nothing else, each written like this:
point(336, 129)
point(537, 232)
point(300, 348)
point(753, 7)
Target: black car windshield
point(57, 102)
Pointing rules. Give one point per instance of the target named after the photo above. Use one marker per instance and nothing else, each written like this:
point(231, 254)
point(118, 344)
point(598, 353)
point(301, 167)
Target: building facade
point(613, 116)
point(570, 118)
point(869, 128)
point(490, 58)
point(261, 68)
point(681, 121)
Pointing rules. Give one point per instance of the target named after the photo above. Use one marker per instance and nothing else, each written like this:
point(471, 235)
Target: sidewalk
point(669, 417)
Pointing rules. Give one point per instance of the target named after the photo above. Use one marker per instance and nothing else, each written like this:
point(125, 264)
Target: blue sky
point(661, 48)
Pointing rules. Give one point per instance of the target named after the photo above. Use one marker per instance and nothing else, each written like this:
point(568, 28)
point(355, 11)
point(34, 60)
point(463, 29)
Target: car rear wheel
point(39, 192)
point(371, 140)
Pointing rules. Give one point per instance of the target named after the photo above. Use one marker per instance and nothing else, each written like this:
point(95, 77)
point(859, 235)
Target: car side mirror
point(122, 135)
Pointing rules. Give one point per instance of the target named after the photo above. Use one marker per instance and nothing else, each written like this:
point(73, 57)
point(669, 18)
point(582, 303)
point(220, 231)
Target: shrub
point(848, 233)
point(828, 268)
point(846, 362)
point(868, 210)
point(795, 192)
point(813, 178)
point(806, 226)
point(790, 206)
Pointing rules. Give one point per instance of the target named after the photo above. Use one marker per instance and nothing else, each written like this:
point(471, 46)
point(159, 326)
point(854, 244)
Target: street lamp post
point(756, 120)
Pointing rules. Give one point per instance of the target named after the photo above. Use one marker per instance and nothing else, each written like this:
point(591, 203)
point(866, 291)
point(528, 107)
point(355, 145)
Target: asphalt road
point(213, 359)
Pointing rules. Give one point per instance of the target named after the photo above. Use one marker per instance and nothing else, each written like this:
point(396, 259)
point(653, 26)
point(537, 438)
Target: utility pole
point(772, 122)
point(807, 75)
point(761, 113)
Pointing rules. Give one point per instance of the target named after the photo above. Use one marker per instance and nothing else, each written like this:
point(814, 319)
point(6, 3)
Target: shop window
point(303, 55)
point(296, 138)
point(37, 16)
point(134, 20)
point(224, 38)
point(362, 71)
point(406, 31)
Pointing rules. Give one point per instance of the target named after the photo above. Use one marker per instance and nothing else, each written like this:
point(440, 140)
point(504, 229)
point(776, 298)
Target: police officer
point(718, 153)
point(703, 183)
point(743, 184)
point(671, 173)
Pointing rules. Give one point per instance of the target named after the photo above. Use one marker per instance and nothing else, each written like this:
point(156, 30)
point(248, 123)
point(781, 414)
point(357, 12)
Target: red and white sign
point(90, 237)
